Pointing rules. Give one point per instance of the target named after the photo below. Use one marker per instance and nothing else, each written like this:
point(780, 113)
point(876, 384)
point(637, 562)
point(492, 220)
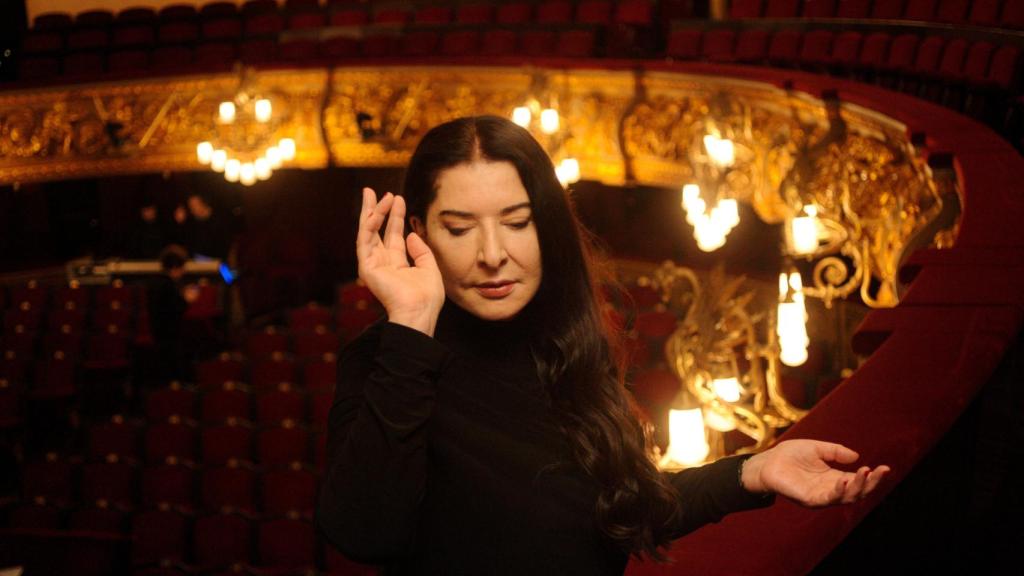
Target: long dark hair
point(579, 359)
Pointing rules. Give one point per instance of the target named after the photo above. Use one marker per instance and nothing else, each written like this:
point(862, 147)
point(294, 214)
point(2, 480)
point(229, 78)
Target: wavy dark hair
point(580, 358)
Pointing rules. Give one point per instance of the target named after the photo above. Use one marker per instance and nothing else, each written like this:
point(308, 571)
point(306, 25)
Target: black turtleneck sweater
point(444, 457)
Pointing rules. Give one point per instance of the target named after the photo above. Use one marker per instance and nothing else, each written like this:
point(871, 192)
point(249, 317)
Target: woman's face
point(480, 228)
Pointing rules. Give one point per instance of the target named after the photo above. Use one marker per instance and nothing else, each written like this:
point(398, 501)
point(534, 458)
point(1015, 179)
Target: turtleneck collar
point(501, 347)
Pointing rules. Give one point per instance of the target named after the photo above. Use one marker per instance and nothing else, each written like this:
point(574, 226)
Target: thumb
point(831, 452)
point(419, 251)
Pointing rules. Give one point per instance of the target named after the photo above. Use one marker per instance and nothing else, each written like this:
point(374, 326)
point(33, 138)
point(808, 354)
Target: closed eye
point(519, 225)
point(456, 231)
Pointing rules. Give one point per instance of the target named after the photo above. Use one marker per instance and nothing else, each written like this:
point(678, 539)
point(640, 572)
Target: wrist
point(421, 320)
point(750, 474)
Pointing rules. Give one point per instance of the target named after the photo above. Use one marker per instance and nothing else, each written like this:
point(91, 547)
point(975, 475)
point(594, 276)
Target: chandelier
point(727, 350)
point(849, 202)
point(243, 145)
point(544, 122)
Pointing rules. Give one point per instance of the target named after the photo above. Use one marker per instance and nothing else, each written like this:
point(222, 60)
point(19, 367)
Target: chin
point(492, 310)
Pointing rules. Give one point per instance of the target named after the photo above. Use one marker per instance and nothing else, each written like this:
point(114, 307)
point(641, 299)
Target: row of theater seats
point(170, 541)
point(980, 64)
point(988, 13)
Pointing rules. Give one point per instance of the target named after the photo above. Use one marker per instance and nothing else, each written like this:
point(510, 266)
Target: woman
point(483, 428)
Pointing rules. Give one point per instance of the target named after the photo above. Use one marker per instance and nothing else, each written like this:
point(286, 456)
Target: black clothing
point(167, 310)
point(444, 457)
point(146, 241)
point(209, 237)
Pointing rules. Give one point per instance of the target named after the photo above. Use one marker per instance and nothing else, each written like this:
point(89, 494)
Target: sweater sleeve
point(376, 441)
point(710, 492)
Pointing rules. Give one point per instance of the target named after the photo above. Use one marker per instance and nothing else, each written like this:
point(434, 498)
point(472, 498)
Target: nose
point(492, 252)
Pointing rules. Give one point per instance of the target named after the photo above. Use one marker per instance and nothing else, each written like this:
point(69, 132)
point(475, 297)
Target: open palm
point(799, 469)
point(412, 294)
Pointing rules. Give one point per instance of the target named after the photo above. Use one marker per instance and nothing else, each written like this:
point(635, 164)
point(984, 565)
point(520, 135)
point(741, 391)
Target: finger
point(393, 234)
point(420, 253)
point(366, 235)
point(832, 452)
point(854, 488)
point(874, 478)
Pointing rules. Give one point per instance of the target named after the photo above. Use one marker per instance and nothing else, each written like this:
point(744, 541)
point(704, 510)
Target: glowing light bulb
point(730, 211)
point(803, 231)
point(287, 148)
point(727, 389)
point(571, 169)
point(218, 160)
point(273, 156)
point(717, 420)
point(549, 121)
point(263, 110)
point(691, 192)
point(521, 116)
point(687, 443)
point(226, 112)
point(247, 174)
point(232, 170)
point(721, 150)
point(262, 166)
point(204, 152)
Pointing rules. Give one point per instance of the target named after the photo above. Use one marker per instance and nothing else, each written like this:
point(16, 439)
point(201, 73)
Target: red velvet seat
point(133, 35)
point(65, 340)
point(14, 367)
point(263, 24)
point(11, 411)
point(159, 535)
point(356, 295)
point(74, 294)
point(106, 351)
point(433, 15)
point(42, 42)
point(352, 322)
point(115, 437)
point(306, 20)
point(212, 10)
point(719, 45)
point(576, 43)
point(221, 540)
point(171, 483)
point(920, 10)
point(308, 317)
point(929, 53)
point(34, 515)
point(98, 518)
point(745, 8)
point(54, 378)
point(115, 295)
point(37, 295)
point(1004, 71)
point(263, 344)
point(22, 320)
point(67, 319)
point(474, 13)
point(316, 343)
point(953, 11)
point(286, 543)
point(227, 401)
point(223, 443)
point(88, 39)
point(634, 12)
point(859, 9)
point(253, 7)
point(172, 400)
point(902, 53)
point(222, 369)
point(781, 9)
point(113, 481)
point(215, 55)
point(846, 49)
point(419, 43)
point(393, 15)
point(283, 445)
point(177, 12)
point(684, 44)
point(320, 403)
point(226, 28)
point(597, 12)
point(887, 10)
point(94, 18)
point(752, 46)
point(170, 438)
point(784, 48)
point(298, 50)
point(537, 42)
point(38, 67)
point(58, 21)
point(340, 47)
point(171, 58)
point(258, 50)
point(267, 374)
point(230, 487)
point(284, 403)
point(51, 479)
point(320, 373)
point(819, 9)
point(513, 13)
point(1012, 15)
point(558, 12)
point(128, 61)
point(875, 52)
point(456, 43)
point(287, 490)
point(349, 17)
point(816, 48)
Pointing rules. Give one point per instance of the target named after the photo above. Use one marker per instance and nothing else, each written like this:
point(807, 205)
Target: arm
point(376, 444)
point(710, 492)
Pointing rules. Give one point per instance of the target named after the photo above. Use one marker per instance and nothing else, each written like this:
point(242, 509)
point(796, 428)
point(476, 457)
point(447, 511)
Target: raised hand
point(800, 470)
point(412, 294)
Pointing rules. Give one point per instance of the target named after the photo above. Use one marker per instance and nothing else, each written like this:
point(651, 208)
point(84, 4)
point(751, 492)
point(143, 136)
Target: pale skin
point(403, 273)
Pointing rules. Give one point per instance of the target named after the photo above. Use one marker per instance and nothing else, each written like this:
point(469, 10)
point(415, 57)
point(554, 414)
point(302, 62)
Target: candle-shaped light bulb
point(247, 174)
point(232, 169)
point(687, 443)
point(521, 116)
point(263, 110)
point(226, 112)
point(263, 170)
point(273, 156)
point(287, 148)
point(549, 121)
point(218, 159)
point(204, 152)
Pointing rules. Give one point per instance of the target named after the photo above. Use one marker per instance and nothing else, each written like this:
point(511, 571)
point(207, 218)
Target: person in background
point(168, 298)
point(207, 232)
point(147, 237)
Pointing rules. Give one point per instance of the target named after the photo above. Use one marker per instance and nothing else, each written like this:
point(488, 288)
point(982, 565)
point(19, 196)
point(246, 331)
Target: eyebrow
point(504, 211)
